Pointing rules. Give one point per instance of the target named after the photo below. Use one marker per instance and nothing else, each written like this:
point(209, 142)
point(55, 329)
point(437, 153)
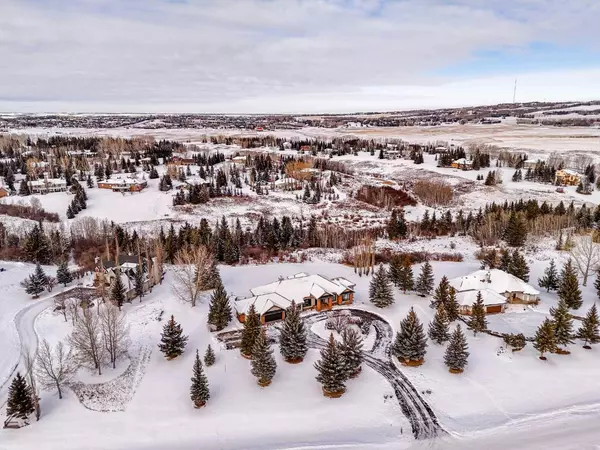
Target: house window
point(346, 297)
point(307, 302)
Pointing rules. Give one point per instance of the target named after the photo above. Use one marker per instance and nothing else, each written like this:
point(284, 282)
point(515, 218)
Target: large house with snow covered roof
point(308, 291)
point(497, 289)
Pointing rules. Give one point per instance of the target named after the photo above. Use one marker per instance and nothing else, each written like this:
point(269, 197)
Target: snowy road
point(423, 421)
point(24, 322)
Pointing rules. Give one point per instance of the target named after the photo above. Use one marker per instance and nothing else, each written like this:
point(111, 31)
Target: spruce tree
point(545, 341)
point(563, 324)
point(380, 289)
point(597, 284)
point(172, 340)
point(199, 392)
point(36, 282)
point(452, 307)
point(457, 353)
point(411, 341)
point(505, 260)
point(292, 338)
point(117, 290)
point(550, 279)
point(219, 312)
point(568, 287)
point(37, 246)
point(440, 296)
point(331, 370)
point(351, 350)
point(63, 274)
point(70, 213)
point(211, 278)
point(263, 362)
point(24, 188)
point(405, 282)
point(438, 328)
point(518, 266)
point(395, 270)
point(477, 321)
point(516, 230)
point(209, 356)
point(252, 327)
point(588, 331)
point(20, 399)
point(138, 281)
point(425, 281)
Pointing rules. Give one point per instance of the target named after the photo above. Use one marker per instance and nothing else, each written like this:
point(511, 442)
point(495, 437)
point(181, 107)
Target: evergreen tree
point(219, 312)
point(451, 305)
point(440, 296)
point(292, 338)
point(405, 282)
point(545, 340)
point(63, 274)
point(505, 261)
point(211, 278)
point(36, 282)
point(252, 327)
point(563, 324)
point(588, 331)
point(24, 188)
point(518, 266)
point(172, 339)
point(597, 284)
point(37, 246)
point(117, 290)
point(351, 350)
point(568, 287)
point(477, 321)
point(20, 399)
point(516, 230)
point(550, 279)
point(263, 362)
point(70, 213)
point(411, 341)
point(380, 289)
point(438, 328)
point(331, 369)
point(425, 281)
point(457, 353)
point(209, 356)
point(138, 281)
point(199, 392)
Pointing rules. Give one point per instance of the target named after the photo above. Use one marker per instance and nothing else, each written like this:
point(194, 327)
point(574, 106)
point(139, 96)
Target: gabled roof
point(294, 288)
point(489, 297)
point(495, 280)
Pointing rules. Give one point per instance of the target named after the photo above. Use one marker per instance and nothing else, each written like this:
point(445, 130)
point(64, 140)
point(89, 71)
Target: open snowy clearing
point(497, 390)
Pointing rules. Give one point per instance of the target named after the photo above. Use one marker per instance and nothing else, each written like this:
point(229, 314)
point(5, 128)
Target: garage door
point(271, 316)
point(494, 309)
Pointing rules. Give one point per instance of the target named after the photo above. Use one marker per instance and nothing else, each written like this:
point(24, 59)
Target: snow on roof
point(489, 297)
point(49, 181)
point(296, 287)
point(462, 161)
point(494, 280)
point(123, 181)
point(570, 172)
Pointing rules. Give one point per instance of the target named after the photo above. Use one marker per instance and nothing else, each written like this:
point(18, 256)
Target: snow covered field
point(499, 391)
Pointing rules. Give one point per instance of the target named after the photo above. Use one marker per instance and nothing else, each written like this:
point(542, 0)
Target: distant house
point(308, 291)
point(567, 177)
point(179, 160)
point(497, 289)
point(287, 145)
point(123, 184)
point(47, 185)
point(462, 163)
point(126, 266)
point(392, 153)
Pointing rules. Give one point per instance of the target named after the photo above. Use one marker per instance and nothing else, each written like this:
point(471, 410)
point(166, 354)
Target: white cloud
point(268, 55)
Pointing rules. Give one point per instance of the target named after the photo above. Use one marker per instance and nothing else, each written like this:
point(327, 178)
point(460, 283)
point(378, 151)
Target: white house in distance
point(308, 291)
point(497, 289)
point(46, 185)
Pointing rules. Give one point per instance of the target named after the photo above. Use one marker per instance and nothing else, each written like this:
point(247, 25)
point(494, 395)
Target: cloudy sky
point(252, 56)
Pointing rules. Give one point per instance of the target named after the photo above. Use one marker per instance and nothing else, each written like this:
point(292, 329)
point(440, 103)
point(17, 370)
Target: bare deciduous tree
point(86, 340)
point(29, 362)
point(114, 331)
point(586, 255)
point(190, 264)
point(55, 368)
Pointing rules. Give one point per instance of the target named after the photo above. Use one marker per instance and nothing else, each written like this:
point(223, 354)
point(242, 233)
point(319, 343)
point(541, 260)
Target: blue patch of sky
point(536, 57)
